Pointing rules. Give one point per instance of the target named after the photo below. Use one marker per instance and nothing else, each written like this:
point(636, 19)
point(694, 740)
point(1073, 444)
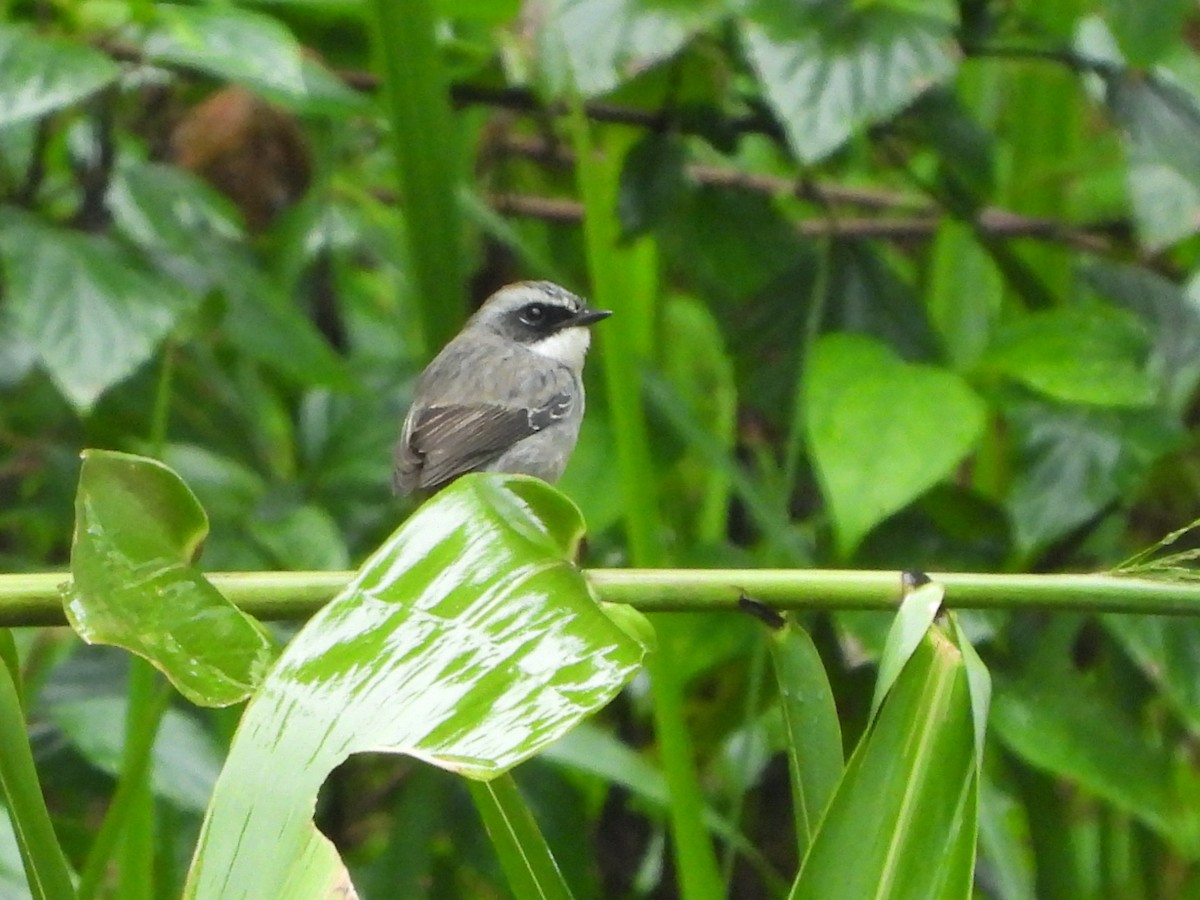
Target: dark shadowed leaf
point(138, 529)
point(468, 640)
point(1073, 462)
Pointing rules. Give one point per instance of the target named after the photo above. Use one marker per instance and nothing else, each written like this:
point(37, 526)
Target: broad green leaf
point(524, 855)
point(592, 46)
point(138, 530)
point(39, 75)
point(468, 640)
point(905, 802)
point(917, 612)
point(167, 210)
point(1091, 355)
point(1071, 463)
point(233, 44)
point(882, 431)
point(828, 72)
point(813, 733)
point(93, 312)
point(1071, 730)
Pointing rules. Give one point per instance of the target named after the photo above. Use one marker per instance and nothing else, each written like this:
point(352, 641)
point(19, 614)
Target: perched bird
point(505, 395)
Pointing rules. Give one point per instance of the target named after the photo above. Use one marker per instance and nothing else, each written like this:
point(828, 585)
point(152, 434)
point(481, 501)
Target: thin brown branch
point(999, 223)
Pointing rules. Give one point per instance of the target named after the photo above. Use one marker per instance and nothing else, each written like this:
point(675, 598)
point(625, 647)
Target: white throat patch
point(568, 346)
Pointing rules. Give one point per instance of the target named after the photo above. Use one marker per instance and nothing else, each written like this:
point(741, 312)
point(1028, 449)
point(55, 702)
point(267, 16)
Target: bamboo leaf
point(814, 735)
point(909, 785)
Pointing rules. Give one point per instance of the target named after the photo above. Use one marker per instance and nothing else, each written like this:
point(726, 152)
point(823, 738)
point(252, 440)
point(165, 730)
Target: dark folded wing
point(442, 442)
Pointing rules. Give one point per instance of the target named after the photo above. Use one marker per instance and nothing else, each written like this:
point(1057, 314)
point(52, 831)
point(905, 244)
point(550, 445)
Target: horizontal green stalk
point(36, 599)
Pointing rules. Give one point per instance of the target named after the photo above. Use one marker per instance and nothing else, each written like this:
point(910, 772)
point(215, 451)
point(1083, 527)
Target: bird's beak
point(590, 316)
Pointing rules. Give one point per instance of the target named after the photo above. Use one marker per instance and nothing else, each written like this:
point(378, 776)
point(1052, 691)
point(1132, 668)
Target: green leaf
point(1071, 730)
point(524, 855)
point(468, 640)
point(963, 294)
point(1069, 464)
point(592, 46)
point(39, 75)
point(93, 313)
point(814, 735)
point(882, 431)
point(138, 530)
point(829, 72)
point(912, 778)
point(916, 614)
point(233, 44)
point(1080, 354)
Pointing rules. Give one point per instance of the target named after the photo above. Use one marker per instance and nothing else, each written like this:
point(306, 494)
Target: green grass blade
point(424, 142)
point(524, 855)
point(813, 731)
point(45, 865)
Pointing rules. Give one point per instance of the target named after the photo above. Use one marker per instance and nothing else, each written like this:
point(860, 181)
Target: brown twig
point(997, 222)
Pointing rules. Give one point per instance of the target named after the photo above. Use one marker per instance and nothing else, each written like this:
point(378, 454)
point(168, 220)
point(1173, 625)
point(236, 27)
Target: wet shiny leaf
point(468, 640)
point(138, 530)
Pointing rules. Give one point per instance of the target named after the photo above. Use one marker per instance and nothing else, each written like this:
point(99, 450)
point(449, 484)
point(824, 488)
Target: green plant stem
point(35, 598)
point(146, 708)
point(45, 865)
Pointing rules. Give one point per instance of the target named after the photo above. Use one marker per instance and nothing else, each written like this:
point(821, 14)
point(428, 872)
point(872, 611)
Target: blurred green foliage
point(899, 285)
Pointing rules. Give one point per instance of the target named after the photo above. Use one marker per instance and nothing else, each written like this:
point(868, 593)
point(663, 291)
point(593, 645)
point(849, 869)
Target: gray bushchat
point(505, 395)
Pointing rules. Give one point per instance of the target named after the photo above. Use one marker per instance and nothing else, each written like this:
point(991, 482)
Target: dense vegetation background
point(897, 285)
